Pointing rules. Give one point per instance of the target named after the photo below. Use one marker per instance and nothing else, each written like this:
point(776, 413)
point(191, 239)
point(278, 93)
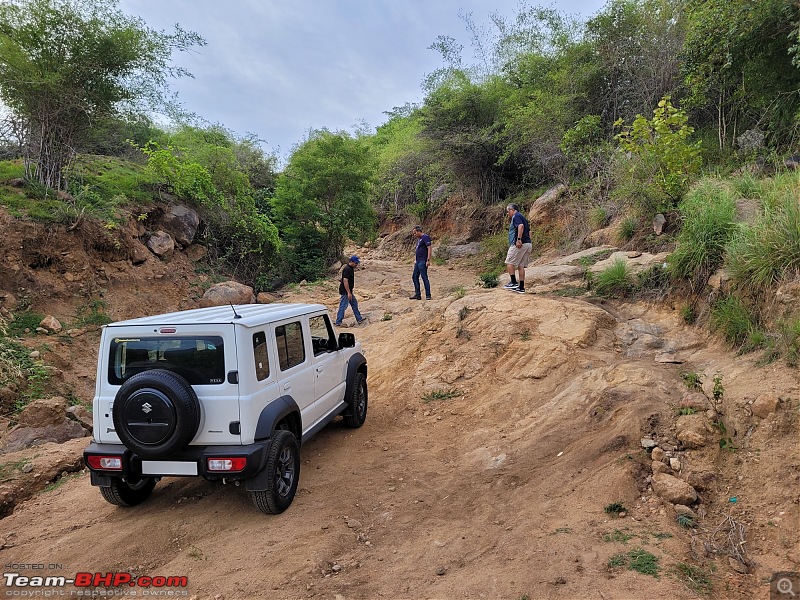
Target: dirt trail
point(496, 489)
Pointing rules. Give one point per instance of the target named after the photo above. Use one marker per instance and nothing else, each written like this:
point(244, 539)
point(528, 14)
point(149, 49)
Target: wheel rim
point(284, 473)
point(361, 402)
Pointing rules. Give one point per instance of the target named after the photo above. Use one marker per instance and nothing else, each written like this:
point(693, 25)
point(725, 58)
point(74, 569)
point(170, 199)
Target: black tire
point(156, 413)
point(122, 493)
point(283, 470)
point(356, 414)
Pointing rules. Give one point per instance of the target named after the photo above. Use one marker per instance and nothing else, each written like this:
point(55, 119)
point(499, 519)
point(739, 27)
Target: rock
point(673, 490)
point(81, 415)
point(764, 405)
point(738, 565)
point(647, 443)
point(719, 280)
point(51, 324)
point(266, 298)
point(701, 480)
point(659, 467)
point(137, 252)
point(196, 252)
point(41, 413)
point(161, 244)
point(682, 509)
point(694, 431)
point(26, 437)
point(228, 292)
point(544, 208)
point(659, 222)
point(181, 222)
point(675, 464)
point(35, 355)
point(694, 400)
point(7, 300)
point(658, 454)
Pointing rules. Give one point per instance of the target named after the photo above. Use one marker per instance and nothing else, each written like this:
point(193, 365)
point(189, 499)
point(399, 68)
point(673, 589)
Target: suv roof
point(249, 315)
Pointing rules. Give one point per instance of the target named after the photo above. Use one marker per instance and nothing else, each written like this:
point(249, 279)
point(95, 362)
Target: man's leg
point(354, 306)
point(415, 280)
point(423, 271)
point(342, 307)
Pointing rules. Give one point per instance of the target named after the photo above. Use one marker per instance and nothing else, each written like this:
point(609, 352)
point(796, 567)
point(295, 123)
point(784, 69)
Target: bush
point(732, 319)
point(708, 214)
point(763, 254)
point(616, 280)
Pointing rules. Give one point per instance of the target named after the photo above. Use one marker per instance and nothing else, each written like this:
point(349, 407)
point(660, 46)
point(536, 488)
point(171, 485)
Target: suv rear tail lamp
point(227, 465)
point(105, 463)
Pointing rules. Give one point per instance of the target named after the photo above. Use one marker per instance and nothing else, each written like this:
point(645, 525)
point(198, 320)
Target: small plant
point(693, 381)
point(731, 318)
point(94, 313)
point(24, 323)
point(637, 560)
point(688, 314)
point(627, 229)
point(525, 335)
point(386, 317)
point(196, 553)
point(462, 313)
point(685, 521)
point(440, 394)
point(696, 579)
point(617, 536)
point(687, 410)
point(461, 332)
point(460, 292)
point(598, 217)
point(488, 279)
point(615, 508)
point(616, 280)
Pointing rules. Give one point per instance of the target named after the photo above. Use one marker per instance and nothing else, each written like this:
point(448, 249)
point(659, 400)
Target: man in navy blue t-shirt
point(346, 284)
point(519, 248)
point(422, 260)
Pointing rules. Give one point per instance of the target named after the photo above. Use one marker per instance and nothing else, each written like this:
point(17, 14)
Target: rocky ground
point(516, 447)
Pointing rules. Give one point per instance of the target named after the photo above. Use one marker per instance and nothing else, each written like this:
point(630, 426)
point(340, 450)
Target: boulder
point(181, 222)
point(266, 298)
point(764, 405)
point(544, 208)
point(673, 490)
point(81, 415)
point(51, 324)
point(41, 413)
point(693, 431)
point(659, 222)
point(26, 437)
point(161, 244)
point(137, 252)
point(7, 300)
point(228, 292)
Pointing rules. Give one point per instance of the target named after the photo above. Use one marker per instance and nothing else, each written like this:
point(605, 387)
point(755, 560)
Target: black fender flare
point(354, 364)
point(273, 413)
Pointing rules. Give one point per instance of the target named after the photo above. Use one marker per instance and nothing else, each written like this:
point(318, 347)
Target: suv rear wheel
point(123, 493)
point(283, 470)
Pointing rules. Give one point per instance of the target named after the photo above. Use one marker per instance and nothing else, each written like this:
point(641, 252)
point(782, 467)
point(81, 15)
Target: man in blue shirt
point(346, 283)
point(519, 248)
point(422, 260)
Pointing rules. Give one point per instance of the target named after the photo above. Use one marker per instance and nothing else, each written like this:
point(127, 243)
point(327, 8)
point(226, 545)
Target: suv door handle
point(287, 387)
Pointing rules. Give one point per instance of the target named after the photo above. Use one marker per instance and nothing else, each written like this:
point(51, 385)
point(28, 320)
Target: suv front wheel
point(355, 416)
point(283, 471)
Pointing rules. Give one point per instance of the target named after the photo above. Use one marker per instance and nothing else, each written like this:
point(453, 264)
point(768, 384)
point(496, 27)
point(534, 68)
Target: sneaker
point(427, 297)
point(338, 324)
point(361, 321)
point(511, 286)
point(519, 291)
point(415, 298)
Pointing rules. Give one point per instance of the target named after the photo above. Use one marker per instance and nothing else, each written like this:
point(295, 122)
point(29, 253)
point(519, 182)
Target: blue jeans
point(421, 270)
point(343, 302)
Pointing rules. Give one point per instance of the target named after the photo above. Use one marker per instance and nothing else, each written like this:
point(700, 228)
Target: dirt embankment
point(501, 428)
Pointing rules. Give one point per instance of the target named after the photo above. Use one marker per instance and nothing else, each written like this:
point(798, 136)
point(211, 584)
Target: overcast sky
point(279, 68)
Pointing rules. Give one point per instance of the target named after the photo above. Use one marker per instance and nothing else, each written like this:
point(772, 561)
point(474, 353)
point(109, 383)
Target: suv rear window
point(200, 360)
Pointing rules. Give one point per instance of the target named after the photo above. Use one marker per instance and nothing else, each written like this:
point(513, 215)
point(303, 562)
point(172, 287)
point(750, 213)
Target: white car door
point(328, 367)
point(296, 372)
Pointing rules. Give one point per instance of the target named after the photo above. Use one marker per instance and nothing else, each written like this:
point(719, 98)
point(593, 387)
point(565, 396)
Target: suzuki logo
point(146, 407)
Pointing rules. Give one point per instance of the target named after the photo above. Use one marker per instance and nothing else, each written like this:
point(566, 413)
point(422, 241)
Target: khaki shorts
point(519, 257)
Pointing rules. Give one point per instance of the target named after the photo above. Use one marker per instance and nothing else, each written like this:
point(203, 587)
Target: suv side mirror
point(347, 340)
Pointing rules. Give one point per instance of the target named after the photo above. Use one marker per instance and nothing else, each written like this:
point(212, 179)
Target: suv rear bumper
point(191, 461)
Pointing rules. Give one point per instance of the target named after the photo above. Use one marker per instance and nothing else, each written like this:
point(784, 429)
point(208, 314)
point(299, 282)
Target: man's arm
point(346, 284)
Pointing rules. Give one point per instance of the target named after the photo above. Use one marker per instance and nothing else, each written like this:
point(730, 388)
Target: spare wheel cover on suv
point(155, 413)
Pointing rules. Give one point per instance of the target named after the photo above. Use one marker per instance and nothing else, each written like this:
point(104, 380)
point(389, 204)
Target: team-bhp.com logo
point(120, 582)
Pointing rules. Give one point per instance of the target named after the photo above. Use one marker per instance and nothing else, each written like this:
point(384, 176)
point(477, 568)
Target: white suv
point(226, 393)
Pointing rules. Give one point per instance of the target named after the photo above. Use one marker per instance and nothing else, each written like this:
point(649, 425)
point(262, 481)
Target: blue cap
point(355, 259)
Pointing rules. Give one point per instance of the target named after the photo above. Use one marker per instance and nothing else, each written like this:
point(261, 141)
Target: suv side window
point(322, 338)
point(291, 350)
point(260, 354)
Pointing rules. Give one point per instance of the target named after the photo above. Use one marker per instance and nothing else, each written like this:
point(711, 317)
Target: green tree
point(67, 64)
point(322, 200)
